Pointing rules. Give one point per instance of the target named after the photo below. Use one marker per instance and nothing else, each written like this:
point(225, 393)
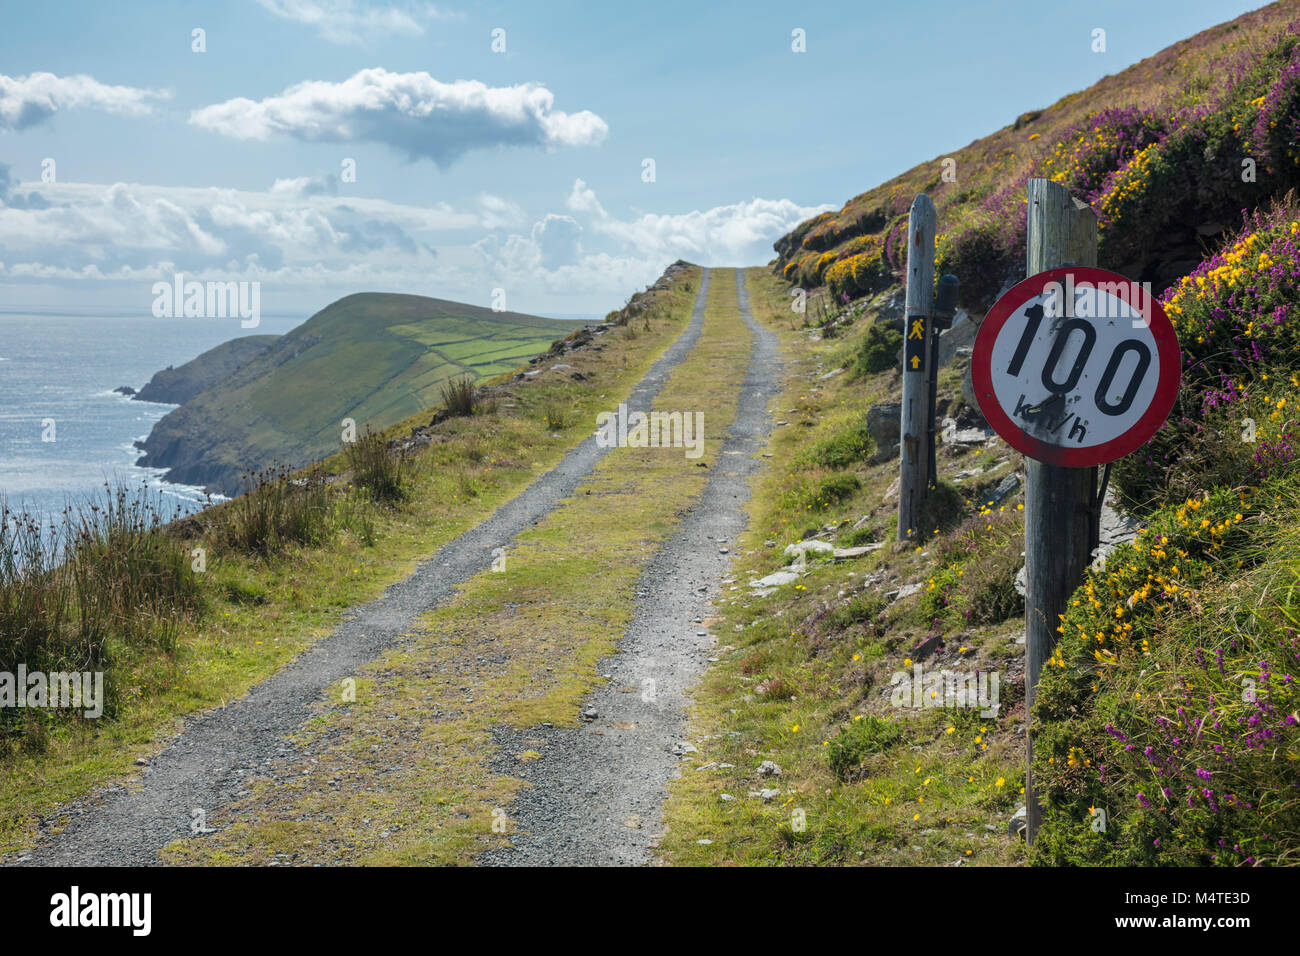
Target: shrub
point(879, 348)
point(275, 511)
point(127, 570)
point(556, 415)
point(819, 266)
point(847, 446)
point(1095, 149)
point(108, 581)
point(986, 247)
point(1238, 322)
point(857, 741)
point(858, 244)
point(1168, 700)
point(458, 395)
point(833, 490)
point(1194, 174)
point(809, 234)
point(1276, 131)
point(859, 269)
point(895, 251)
point(376, 469)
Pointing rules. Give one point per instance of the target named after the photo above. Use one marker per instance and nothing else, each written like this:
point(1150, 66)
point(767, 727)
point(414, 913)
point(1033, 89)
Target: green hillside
point(376, 358)
point(176, 386)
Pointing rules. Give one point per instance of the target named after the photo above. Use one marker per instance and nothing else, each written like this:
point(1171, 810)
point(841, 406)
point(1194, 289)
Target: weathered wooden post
point(1058, 500)
point(941, 316)
point(914, 463)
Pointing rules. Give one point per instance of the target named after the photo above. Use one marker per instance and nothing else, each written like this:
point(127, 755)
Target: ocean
point(57, 375)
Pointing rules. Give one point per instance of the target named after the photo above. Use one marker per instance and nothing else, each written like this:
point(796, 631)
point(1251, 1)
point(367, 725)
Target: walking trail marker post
point(1074, 367)
point(918, 367)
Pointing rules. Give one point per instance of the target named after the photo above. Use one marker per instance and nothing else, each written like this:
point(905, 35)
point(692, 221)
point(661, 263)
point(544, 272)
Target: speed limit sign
point(1076, 366)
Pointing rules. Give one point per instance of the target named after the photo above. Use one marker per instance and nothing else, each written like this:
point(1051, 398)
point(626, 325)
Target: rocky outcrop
point(884, 424)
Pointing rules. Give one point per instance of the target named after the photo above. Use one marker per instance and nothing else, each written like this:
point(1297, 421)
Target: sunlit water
point(63, 368)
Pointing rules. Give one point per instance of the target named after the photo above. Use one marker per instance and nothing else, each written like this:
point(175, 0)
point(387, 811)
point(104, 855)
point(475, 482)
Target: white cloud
point(498, 213)
point(410, 112)
point(299, 186)
point(583, 199)
point(740, 233)
point(551, 259)
point(350, 22)
point(309, 241)
point(558, 241)
point(298, 224)
point(28, 100)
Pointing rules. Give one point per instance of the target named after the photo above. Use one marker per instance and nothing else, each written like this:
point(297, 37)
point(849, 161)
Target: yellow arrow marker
point(916, 362)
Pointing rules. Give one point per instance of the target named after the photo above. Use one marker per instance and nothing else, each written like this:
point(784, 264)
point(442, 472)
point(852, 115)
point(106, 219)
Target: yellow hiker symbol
point(918, 326)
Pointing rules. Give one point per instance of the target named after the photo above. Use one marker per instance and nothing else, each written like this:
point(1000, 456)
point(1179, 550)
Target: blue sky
point(475, 169)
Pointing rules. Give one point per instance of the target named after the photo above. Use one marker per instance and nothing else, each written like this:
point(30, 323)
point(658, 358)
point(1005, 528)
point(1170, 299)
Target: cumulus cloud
point(350, 22)
point(557, 239)
point(325, 185)
point(498, 213)
point(552, 258)
point(28, 100)
point(583, 199)
point(11, 197)
point(410, 112)
point(308, 239)
point(737, 233)
point(294, 228)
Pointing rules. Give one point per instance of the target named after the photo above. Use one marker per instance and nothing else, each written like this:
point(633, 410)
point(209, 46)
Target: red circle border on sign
point(1171, 368)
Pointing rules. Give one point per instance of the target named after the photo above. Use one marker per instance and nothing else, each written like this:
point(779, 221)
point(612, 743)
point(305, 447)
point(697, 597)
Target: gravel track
point(597, 793)
point(205, 765)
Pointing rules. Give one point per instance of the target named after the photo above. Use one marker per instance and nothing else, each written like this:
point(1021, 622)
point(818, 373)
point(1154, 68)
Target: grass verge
point(807, 680)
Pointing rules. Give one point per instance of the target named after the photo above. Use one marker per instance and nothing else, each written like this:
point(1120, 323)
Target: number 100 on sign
point(1076, 366)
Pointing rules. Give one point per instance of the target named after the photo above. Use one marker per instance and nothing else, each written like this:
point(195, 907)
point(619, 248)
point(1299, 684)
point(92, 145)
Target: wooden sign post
point(1058, 500)
point(918, 368)
point(1075, 367)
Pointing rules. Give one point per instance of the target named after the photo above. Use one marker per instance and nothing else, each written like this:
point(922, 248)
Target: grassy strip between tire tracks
point(401, 774)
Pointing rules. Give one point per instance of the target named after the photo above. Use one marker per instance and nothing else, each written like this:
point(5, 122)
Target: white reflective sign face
point(1075, 374)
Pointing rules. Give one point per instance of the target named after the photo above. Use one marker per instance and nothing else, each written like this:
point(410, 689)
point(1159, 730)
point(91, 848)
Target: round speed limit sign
point(1076, 366)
